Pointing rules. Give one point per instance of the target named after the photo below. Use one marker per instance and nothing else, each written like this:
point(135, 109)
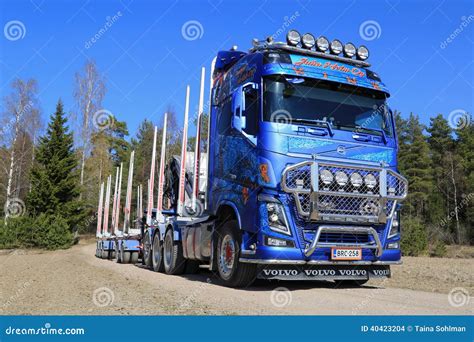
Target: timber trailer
point(299, 176)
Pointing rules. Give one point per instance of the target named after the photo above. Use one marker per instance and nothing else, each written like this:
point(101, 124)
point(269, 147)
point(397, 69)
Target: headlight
point(276, 218)
point(308, 40)
point(341, 178)
point(370, 181)
point(293, 37)
point(322, 44)
point(336, 47)
point(349, 50)
point(395, 225)
point(326, 177)
point(362, 53)
point(356, 180)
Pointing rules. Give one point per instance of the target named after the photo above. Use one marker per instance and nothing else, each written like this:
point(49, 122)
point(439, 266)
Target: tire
point(173, 259)
point(126, 257)
point(351, 283)
point(147, 256)
point(104, 254)
point(134, 258)
point(192, 267)
point(232, 272)
point(118, 253)
point(157, 254)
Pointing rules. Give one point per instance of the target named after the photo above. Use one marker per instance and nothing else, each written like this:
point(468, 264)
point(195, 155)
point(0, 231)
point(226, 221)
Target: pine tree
point(415, 165)
point(54, 177)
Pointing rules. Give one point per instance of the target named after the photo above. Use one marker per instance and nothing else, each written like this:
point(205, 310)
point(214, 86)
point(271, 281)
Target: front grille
point(336, 203)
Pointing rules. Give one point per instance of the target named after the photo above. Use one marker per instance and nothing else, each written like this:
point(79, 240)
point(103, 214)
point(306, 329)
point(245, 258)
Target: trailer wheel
point(157, 252)
point(126, 257)
point(118, 252)
point(231, 271)
point(173, 259)
point(134, 258)
point(105, 254)
point(147, 256)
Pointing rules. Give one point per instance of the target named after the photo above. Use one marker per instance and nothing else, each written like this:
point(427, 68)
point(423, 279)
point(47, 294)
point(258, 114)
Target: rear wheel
point(231, 270)
point(134, 258)
point(173, 259)
point(118, 252)
point(147, 256)
point(157, 251)
point(126, 257)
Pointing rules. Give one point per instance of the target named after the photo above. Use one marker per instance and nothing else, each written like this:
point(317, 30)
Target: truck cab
point(302, 164)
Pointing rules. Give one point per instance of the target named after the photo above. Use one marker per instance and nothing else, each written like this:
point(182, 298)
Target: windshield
point(317, 102)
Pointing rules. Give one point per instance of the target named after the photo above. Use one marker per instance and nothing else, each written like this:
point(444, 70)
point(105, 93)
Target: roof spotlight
point(362, 53)
point(349, 50)
point(336, 47)
point(308, 40)
point(322, 44)
point(293, 37)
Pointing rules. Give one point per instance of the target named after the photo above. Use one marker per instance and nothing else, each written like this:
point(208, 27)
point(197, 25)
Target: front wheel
point(231, 270)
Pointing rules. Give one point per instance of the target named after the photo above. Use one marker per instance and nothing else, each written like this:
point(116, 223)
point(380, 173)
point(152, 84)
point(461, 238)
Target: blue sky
point(147, 60)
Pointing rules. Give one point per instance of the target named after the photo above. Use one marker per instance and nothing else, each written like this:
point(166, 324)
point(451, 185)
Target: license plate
point(346, 253)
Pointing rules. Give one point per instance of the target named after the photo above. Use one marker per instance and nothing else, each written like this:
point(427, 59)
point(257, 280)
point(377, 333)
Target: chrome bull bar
point(318, 202)
point(354, 230)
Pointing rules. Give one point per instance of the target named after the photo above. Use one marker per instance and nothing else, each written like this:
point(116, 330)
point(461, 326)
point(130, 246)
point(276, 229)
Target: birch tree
point(89, 92)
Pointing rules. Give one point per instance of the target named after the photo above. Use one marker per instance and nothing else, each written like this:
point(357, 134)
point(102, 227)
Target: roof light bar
point(349, 50)
point(308, 41)
point(322, 44)
point(293, 37)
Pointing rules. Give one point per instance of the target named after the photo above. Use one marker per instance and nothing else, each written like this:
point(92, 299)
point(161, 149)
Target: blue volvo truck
point(301, 180)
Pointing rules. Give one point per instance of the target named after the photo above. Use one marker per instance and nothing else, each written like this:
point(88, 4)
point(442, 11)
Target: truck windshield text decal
point(327, 65)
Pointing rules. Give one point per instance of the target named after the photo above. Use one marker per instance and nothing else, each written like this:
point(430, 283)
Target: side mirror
point(238, 122)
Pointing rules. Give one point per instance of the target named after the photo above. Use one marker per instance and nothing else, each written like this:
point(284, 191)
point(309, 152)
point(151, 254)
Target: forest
point(50, 172)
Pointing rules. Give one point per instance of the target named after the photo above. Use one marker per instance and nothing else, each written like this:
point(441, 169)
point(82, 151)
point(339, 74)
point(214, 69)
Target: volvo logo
point(341, 149)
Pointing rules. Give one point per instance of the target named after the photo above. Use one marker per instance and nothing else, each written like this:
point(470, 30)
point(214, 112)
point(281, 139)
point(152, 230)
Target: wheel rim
point(227, 256)
point(168, 250)
point(156, 251)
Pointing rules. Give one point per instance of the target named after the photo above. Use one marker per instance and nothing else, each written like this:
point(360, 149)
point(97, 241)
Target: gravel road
point(74, 282)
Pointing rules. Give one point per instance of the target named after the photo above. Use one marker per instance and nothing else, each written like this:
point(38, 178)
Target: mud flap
point(324, 272)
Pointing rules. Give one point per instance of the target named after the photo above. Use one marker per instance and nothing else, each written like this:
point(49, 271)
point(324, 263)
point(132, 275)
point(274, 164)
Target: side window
point(225, 116)
point(251, 111)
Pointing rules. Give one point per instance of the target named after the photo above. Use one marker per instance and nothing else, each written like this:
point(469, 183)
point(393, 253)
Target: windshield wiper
point(372, 130)
point(315, 122)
